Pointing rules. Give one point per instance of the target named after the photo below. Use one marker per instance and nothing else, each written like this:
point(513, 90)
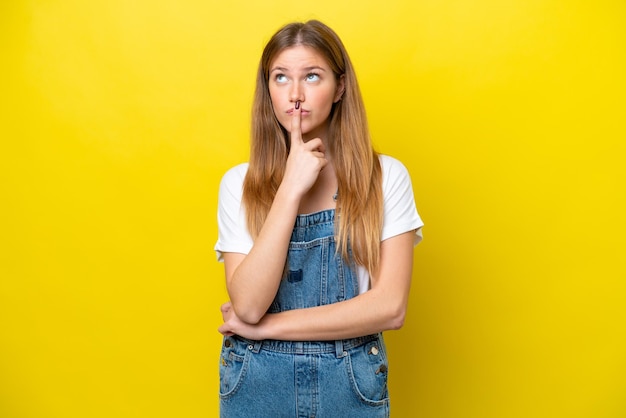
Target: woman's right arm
point(252, 279)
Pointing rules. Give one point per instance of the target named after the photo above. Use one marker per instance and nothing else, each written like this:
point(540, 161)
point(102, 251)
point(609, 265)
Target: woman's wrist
point(287, 195)
point(267, 327)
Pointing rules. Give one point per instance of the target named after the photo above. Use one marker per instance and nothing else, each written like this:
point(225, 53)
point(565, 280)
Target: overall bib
point(305, 379)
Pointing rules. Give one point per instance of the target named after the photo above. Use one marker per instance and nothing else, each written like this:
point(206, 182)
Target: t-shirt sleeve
point(400, 213)
point(233, 235)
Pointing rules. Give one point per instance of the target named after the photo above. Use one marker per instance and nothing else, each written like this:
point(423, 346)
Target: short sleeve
point(233, 235)
point(400, 212)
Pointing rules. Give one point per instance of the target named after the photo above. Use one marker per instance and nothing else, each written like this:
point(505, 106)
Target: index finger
point(296, 118)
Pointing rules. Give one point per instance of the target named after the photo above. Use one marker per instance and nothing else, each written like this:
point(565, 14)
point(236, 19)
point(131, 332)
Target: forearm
point(252, 284)
point(365, 314)
point(381, 308)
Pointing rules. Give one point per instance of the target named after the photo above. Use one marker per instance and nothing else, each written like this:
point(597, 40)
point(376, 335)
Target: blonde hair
point(360, 203)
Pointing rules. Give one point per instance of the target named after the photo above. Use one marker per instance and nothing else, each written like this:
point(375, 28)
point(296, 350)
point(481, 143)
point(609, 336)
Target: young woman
point(317, 235)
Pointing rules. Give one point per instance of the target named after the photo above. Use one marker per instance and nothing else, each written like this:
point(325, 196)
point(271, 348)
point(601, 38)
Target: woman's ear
point(341, 87)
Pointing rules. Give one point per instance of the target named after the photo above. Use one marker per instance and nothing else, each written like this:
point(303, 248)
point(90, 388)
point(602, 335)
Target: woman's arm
point(253, 279)
point(381, 308)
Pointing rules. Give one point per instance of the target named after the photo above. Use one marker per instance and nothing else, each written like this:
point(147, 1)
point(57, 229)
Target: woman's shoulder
point(391, 167)
point(235, 174)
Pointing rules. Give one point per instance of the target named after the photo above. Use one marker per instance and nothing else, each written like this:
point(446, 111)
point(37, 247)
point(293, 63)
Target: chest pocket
point(315, 276)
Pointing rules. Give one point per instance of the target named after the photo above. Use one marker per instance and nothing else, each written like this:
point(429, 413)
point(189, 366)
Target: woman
point(317, 235)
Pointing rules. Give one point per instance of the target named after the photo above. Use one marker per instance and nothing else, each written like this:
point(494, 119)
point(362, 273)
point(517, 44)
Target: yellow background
point(118, 119)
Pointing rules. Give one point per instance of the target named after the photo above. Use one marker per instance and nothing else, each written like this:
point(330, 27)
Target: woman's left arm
point(381, 308)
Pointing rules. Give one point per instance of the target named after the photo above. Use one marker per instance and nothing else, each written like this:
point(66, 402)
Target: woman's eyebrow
point(281, 69)
point(305, 69)
point(315, 67)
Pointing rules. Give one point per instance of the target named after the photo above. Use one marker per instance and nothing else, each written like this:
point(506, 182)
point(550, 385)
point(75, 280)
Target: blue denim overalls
point(323, 379)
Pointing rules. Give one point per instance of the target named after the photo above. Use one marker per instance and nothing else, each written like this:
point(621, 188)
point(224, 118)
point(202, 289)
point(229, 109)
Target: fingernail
point(298, 105)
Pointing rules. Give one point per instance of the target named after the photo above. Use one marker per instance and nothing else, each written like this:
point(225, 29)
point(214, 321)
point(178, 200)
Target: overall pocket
point(368, 371)
point(234, 360)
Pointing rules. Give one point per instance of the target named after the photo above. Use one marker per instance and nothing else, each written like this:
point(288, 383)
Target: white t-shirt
point(400, 214)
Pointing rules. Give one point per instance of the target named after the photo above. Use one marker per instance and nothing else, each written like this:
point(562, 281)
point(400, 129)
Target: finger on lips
point(295, 122)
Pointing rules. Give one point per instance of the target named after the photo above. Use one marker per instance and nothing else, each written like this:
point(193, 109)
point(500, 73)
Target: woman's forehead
point(298, 57)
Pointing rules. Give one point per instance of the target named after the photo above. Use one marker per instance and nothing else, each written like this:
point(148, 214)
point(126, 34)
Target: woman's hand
point(306, 159)
point(233, 325)
point(226, 328)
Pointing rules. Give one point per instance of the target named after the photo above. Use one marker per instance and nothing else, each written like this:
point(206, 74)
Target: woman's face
point(300, 73)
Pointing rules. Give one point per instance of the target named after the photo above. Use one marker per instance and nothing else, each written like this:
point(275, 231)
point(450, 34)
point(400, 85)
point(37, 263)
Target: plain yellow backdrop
point(118, 118)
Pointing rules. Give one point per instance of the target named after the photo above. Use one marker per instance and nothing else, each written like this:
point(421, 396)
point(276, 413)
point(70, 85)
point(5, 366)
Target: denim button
point(374, 350)
point(250, 347)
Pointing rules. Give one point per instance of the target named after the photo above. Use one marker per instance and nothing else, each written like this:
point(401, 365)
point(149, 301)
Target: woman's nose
point(296, 93)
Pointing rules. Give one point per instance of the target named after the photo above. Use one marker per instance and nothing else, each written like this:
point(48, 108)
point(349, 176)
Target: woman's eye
point(312, 77)
point(281, 78)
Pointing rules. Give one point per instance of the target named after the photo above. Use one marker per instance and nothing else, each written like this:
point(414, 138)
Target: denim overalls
point(323, 379)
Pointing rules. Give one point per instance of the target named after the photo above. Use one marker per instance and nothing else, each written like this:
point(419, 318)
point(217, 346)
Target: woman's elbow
point(249, 315)
point(247, 309)
point(396, 317)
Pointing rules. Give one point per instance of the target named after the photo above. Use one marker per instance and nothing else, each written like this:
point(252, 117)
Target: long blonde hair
point(360, 202)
